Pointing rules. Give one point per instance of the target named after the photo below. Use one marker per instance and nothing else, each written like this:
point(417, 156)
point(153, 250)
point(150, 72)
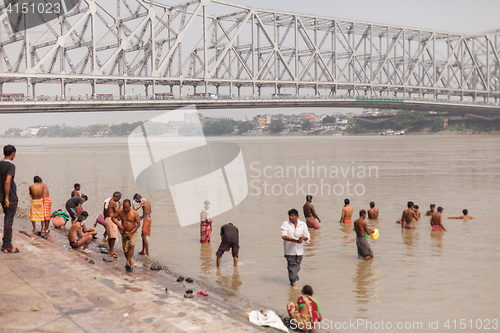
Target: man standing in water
point(205, 224)
point(310, 214)
point(294, 232)
point(437, 220)
point(8, 196)
point(408, 216)
point(346, 212)
point(364, 250)
point(130, 223)
point(372, 212)
point(146, 222)
point(109, 212)
point(429, 212)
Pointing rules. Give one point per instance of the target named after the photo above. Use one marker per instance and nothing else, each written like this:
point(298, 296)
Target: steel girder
point(213, 44)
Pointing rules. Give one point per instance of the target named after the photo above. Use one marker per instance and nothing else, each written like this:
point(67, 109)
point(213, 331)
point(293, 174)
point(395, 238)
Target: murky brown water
point(416, 275)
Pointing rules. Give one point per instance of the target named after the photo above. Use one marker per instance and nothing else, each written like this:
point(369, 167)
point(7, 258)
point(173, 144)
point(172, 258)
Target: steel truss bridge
point(222, 48)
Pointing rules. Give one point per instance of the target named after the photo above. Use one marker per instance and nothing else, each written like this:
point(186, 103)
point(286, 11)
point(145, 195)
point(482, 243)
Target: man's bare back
point(361, 227)
point(346, 214)
point(309, 211)
point(36, 191)
point(373, 213)
point(146, 208)
point(407, 218)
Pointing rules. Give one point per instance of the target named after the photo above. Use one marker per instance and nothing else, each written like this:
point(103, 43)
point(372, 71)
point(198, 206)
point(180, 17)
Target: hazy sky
point(462, 16)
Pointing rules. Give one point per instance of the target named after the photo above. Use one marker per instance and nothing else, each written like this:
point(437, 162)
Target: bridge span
point(7, 107)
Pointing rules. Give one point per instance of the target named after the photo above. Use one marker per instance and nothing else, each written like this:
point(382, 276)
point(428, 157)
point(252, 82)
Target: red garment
point(312, 222)
point(205, 232)
point(47, 205)
point(436, 227)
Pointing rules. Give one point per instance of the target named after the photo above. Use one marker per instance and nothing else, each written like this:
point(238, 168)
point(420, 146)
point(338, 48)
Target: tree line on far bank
point(124, 129)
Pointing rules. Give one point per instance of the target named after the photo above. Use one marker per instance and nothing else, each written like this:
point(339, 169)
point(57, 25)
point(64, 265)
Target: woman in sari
point(205, 224)
point(306, 312)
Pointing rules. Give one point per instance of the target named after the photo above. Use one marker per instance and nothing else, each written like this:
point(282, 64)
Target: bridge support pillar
point(297, 90)
point(239, 90)
point(253, 89)
point(1, 87)
point(33, 93)
point(28, 86)
point(217, 89)
point(94, 84)
point(146, 86)
point(63, 89)
point(258, 90)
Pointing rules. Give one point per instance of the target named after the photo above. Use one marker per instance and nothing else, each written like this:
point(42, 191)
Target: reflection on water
point(349, 236)
point(229, 278)
point(206, 257)
point(366, 289)
point(414, 271)
point(437, 242)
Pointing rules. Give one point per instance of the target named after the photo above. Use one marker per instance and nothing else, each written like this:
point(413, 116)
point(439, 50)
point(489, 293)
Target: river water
point(416, 275)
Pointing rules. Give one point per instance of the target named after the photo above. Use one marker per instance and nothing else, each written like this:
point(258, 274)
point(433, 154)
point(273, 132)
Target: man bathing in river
point(312, 219)
point(372, 212)
point(364, 250)
point(408, 216)
point(146, 222)
point(294, 233)
point(130, 223)
point(466, 216)
point(437, 220)
point(110, 210)
point(346, 212)
point(429, 212)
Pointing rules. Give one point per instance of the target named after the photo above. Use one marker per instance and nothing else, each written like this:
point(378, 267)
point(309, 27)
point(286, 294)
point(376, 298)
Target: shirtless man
point(346, 212)
point(36, 210)
point(429, 212)
point(111, 210)
point(77, 239)
point(372, 212)
point(81, 220)
point(130, 223)
point(310, 214)
point(408, 216)
point(364, 250)
point(47, 208)
point(75, 192)
point(437, 220)
point(146, 222)
point(466, 216)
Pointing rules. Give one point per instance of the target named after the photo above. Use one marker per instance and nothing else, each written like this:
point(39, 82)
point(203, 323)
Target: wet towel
point(364, 249)
point(36, 211)
point(47, 205)
point(106, 203)
point(436, 227)
point(269, 318)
